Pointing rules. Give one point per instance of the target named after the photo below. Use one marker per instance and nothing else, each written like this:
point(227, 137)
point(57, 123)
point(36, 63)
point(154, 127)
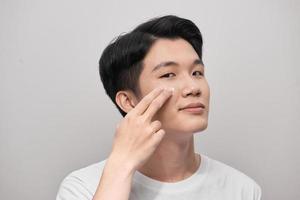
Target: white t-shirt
point(213, 180)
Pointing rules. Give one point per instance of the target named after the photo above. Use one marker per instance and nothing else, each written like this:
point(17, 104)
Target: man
point(153, 153)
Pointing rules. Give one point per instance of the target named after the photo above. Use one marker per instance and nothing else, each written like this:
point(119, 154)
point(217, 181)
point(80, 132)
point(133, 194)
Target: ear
point(125, 100)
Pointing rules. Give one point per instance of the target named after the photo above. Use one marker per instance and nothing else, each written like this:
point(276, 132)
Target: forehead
point(177, 50)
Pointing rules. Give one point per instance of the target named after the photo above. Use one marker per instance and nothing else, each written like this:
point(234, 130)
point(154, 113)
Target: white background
point(55, 116)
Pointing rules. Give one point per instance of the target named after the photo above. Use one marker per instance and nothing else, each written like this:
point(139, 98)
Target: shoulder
point(223, 169)
point(81, 183)
point(229, 177)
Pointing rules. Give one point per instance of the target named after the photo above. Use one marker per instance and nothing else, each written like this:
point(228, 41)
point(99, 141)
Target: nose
point(191, 87)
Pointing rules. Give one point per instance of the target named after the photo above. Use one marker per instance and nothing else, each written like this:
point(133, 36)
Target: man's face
point(187, 79)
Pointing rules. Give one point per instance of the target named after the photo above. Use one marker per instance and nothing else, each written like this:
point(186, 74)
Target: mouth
point(195, 108)
point(196, 105)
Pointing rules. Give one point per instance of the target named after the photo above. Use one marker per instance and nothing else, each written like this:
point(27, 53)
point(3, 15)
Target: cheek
point(170, 108)
point(208, 92)
point(148, 85)
point(147, 88)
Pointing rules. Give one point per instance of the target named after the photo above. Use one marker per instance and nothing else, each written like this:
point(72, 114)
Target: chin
point(188, 128)
point(201, 126)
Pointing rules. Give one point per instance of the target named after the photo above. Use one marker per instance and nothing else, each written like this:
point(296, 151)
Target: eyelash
point(173, 73)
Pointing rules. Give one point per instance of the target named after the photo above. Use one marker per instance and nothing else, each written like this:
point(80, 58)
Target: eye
point(199, 72)
point(166, 75)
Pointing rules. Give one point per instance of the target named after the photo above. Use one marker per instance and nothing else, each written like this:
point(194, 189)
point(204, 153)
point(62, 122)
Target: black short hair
point(121, 62)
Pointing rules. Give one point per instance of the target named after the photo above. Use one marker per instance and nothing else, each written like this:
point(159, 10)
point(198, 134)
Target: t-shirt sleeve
point(73, 188)
point(257, 192)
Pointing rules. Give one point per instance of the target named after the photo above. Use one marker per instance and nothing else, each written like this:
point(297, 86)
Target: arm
point(135, 140)
point(115, 182)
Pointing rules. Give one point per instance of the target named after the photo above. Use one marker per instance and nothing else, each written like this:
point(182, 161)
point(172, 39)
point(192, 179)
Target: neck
point(172, 161)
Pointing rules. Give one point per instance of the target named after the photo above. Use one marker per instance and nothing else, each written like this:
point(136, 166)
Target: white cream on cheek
point(172, 89)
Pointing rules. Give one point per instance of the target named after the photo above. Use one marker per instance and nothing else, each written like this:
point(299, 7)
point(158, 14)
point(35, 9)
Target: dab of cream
point(172, 90)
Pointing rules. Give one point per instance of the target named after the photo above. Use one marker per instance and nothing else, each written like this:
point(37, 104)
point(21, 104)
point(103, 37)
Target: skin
point(174, 158)
point(185, 80)
point(155, 137)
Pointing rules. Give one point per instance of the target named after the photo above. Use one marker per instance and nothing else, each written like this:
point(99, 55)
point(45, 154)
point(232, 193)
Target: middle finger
point(157, 103)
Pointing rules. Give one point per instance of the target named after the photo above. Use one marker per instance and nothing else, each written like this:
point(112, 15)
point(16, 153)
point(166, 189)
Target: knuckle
point(157, 123)
point(130, 116)
point(144, 119)
point(127, 117)
point(162, 131)
point(156, 104)
point(140, 121)
point(147, 99)
point(149, 129)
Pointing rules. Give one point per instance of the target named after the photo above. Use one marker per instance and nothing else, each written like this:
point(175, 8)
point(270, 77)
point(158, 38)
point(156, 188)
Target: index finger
point(140, 108)
point(156, 105)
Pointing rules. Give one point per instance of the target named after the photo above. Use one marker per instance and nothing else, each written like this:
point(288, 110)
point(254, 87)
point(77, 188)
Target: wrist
point(124, 166)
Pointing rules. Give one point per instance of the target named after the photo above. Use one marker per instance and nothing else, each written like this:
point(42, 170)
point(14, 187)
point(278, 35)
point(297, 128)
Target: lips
point(193, 105)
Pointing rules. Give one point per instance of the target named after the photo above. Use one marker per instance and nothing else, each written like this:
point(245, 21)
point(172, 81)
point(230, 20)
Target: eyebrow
point(172, 63)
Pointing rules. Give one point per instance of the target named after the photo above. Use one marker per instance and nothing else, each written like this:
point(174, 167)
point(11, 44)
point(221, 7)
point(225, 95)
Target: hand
point(136, 136)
